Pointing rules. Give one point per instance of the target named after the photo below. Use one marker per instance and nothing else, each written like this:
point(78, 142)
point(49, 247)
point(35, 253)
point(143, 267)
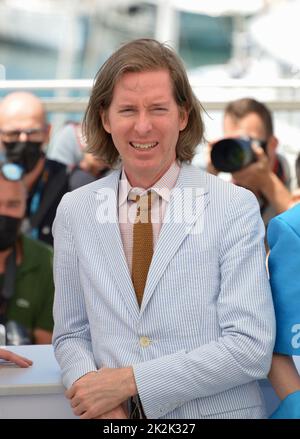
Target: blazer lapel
point(187, 203)
point(104, 214)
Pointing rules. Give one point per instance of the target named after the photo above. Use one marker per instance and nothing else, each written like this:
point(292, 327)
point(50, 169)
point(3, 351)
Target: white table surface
point(43, 377)
point(43, 380)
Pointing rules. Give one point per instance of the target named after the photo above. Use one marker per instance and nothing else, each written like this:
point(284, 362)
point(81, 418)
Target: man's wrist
point(267, 184)
point(276, 193)
point(130, 380)
point(85, 374)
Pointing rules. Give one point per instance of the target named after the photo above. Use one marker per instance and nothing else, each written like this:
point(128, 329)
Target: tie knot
point(144, 201)
point(144, 204)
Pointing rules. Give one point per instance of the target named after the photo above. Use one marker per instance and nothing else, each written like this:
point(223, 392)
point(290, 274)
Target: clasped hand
point(99, 395)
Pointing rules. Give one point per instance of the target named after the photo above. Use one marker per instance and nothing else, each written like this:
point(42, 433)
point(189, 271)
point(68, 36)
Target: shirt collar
point(162, 187)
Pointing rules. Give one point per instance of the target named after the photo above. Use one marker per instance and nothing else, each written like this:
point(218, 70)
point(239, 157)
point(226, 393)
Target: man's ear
point(184, 118)
point(105, 121)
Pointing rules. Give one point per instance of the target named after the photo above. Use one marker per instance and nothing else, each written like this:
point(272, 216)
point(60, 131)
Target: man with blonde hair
point(162, 303)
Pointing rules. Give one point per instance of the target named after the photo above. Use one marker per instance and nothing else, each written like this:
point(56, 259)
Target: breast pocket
point(196, 270)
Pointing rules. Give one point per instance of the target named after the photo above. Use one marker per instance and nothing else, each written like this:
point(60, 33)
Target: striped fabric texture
point(205, 330)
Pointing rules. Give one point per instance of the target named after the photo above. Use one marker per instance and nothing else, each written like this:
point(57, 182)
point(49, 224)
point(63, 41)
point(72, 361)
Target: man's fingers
point(85, 415)
point(74, 402)
point(22, 361)
point(257, 149)
point(70, 392)
point(80, 411)
point(17, 359)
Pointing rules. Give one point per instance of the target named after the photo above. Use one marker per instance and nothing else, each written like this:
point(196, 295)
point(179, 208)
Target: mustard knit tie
point(142, 245)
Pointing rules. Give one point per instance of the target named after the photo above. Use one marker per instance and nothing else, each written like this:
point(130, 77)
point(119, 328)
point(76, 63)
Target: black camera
point(234, 154)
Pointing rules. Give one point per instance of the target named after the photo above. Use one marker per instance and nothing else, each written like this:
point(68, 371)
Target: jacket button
point(145, 342)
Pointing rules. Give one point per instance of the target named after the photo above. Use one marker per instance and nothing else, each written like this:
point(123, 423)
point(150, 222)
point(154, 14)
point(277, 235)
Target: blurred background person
point(26, 280)
point(24, 134)
point(284, 242)
point(89, 169)
point(268, 176)
point(67, 144)
point(68, 147)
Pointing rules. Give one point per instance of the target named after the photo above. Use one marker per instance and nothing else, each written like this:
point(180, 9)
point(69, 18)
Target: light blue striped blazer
point(207, 308)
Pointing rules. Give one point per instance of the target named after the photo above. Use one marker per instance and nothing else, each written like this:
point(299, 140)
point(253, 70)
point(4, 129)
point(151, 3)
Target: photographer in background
point(26, 280)
point(267, 176)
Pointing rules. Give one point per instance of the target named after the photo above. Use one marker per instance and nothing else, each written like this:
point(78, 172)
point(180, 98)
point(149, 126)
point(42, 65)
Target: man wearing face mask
point(26, 281)
point(24, 132)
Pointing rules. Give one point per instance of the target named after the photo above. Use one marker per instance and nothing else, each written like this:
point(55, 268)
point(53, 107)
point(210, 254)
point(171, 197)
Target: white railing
point(279, 95)
point(47, 84)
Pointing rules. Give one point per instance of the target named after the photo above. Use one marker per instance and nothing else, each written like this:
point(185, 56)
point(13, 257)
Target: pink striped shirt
point(127, 208)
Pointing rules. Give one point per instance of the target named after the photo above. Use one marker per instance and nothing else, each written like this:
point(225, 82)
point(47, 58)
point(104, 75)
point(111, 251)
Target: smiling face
point(144, 122)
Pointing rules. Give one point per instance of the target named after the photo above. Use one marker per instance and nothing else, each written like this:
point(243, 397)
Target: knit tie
point(142, 244)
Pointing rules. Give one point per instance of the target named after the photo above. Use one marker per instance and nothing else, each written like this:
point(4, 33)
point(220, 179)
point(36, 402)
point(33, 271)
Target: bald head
point(21, 108)
point(20, 113)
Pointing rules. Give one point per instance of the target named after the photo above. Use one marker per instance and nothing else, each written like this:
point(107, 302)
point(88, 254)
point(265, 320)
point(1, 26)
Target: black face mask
point(9, 229)
point(25, 154)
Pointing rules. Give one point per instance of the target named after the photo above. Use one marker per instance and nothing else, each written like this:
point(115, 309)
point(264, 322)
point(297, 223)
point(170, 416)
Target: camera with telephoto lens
point(234, 154)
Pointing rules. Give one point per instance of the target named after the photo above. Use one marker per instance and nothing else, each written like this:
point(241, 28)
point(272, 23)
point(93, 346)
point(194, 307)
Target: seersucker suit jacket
point(205, 330)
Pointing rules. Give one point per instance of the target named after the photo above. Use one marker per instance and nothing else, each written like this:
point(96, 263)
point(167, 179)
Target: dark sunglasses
point(34, 135)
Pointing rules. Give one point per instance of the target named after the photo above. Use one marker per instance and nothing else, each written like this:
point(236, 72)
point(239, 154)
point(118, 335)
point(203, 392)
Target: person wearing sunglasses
point(24, 133)
point(26, 281)
point(268, 177)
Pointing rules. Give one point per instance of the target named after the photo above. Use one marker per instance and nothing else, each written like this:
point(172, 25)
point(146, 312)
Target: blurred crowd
point(31, 187)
